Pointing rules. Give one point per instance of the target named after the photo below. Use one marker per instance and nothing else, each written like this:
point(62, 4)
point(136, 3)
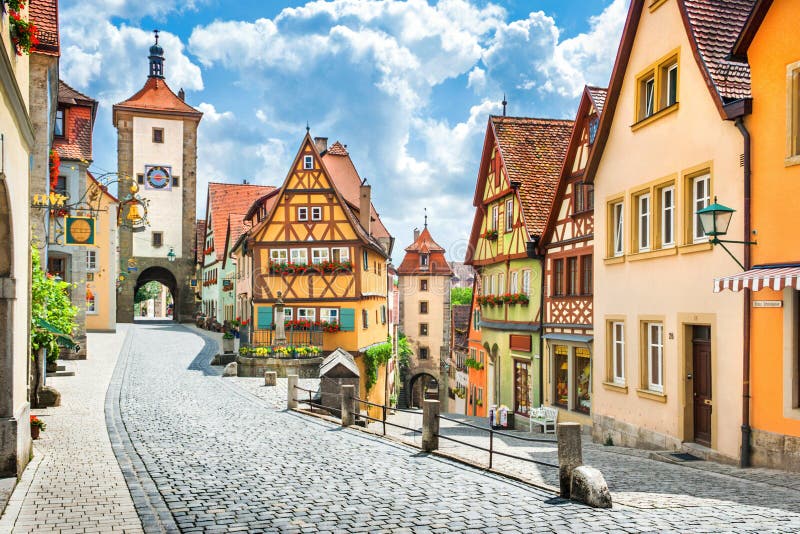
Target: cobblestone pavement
point(224, 456)
point(73, 483)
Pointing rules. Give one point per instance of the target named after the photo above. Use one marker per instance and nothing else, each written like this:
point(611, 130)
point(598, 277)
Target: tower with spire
point(157, 162)
point(424, 286)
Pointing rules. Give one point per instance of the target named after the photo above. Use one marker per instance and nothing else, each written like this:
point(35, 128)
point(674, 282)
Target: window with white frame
point(424, 259)
point(319, 255)
point(308, 162)
point(306, 314)
point(316, 213)
point(648, 96)
point(668, 216)
point(329, 315)
point(278, 255)
point(509, 214)
point(501, 283)
point(302, 213)
point(701, 198)
point(671, 83)
point(299, 256)
point(514, 282)
point(493, 285)
point(618, 352)
point(288, 314)
point(655, 356)
point(91, 260)
point(495, 217)
point(340, 254)
point(526, 282)
point(618, 222)
point(643, 202)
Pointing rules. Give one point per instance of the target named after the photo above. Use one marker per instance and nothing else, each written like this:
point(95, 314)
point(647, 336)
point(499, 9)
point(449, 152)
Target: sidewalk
point(74, 483)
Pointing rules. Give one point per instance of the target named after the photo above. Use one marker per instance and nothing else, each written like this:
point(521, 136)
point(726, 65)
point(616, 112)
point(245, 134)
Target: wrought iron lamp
point(171, 255)
point(715, 220)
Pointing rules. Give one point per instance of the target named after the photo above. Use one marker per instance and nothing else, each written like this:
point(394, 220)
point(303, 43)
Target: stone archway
point(422, 386)
point(164, 277)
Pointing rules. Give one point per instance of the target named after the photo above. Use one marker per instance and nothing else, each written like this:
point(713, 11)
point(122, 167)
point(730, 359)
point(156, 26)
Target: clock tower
point(157, 165)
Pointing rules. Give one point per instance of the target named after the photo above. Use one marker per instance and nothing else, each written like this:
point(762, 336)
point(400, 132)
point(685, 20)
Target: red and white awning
point(775, 278)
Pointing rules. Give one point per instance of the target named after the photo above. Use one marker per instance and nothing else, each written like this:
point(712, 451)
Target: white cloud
point(477, 79)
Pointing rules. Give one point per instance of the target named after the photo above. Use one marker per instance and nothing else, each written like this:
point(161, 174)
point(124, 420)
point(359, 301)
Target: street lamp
point(171, 255)
point(715, 220)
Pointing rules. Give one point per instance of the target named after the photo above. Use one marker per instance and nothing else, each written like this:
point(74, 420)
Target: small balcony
point(295, 337)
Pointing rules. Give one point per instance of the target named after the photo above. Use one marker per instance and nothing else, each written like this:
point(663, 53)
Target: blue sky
point(408, 86)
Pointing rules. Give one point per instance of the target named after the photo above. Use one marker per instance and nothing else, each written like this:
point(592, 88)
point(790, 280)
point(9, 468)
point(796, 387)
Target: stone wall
point(775, 450)
point(627, 435)
point(256, 367)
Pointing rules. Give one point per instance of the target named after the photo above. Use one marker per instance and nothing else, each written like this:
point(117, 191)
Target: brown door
point(521, 389)
point(701, 358)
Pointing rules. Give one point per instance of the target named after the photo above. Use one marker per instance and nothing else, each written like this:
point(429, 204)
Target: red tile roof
point(424, 244)
point(598, 96)
point(227, 199)
point(338, 149)
point(713, 27)
point(200, 242)
point(236, 227)
point(44, 15)
point(533, 151)
point(78, 124)
point(156, 97)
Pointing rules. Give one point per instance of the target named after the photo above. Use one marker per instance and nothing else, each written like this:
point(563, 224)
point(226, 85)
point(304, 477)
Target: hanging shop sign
point(78, 231)
point(53, 200)
point(158, 177)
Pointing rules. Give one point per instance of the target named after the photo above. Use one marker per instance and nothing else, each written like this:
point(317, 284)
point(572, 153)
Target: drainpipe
point(744, 461)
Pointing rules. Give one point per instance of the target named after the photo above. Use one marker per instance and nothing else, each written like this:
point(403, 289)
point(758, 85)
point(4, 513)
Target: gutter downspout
point(744, 461)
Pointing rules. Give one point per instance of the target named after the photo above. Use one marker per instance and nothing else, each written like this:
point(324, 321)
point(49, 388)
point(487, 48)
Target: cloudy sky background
point(408, 86)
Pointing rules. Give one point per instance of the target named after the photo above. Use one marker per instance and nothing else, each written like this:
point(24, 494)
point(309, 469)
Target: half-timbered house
point(567, 244)
point(517, 178)
point(320, 246)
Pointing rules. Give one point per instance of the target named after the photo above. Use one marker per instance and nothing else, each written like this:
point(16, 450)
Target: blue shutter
point(347, 319)
point(264, 318)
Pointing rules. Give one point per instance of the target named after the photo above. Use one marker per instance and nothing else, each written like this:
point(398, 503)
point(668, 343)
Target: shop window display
point(561, 357)
point(582, 379)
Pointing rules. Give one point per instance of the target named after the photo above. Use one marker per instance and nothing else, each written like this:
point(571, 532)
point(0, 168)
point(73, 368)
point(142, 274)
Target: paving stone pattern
point(74, 483)
point(226, 456)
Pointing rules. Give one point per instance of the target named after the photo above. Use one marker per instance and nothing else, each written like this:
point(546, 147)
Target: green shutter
point(347, 319)
point(264, 318)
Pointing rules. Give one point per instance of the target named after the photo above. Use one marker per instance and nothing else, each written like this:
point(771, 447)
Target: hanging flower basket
point(23, 32)
point(491, 235)
point(55, 164)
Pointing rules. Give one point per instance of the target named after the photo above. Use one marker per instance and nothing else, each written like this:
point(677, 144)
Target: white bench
point(546, 417)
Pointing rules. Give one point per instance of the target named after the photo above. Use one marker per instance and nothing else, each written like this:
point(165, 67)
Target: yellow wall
point(775, 190)
point(104, 284)
point(673, 286)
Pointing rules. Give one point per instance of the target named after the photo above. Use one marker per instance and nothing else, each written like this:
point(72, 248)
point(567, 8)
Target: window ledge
point(695, 247)
point(791, 161)
point(655, 116)
point(614, 259)
point(653, 254)
point(652, 395)
point(612, 386)
point(576, 214)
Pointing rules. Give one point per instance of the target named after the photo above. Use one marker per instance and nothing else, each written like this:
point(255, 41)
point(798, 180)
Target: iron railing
point(383, 420)
point(296, 338)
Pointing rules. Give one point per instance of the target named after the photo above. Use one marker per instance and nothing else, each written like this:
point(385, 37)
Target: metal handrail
point(383, 420)
point(491, 450)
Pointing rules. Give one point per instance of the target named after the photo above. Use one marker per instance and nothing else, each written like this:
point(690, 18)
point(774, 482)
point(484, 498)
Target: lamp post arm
point(722, 244)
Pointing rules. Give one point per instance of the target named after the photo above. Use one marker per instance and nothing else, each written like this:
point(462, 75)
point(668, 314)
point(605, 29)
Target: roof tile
point(227, 199)
point(424, 244)
point(44, 15)
point(157, 96)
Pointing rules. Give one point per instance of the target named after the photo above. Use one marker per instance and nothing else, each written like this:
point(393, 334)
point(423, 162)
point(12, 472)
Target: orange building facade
point(477, 393)
point(769, 44)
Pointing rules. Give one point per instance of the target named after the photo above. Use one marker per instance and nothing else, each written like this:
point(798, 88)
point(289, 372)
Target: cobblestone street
point(205, 453)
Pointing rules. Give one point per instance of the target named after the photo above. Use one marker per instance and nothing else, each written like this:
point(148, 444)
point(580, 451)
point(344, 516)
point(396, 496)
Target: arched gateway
point(167, 279)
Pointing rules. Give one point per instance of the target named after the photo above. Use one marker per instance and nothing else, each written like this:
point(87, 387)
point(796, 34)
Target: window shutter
point(347, 319)
point(264, 318)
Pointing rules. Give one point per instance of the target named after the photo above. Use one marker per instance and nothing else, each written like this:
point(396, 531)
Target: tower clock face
point(158, 177)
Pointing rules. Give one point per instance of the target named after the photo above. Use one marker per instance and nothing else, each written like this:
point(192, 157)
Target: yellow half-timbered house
point(320, 245)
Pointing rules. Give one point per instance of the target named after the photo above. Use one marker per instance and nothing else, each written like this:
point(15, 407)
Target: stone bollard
point(348, 394)
point(270, 378)
point(430, 425)
point(589, 487)
point(570, 455)
point(291, 392)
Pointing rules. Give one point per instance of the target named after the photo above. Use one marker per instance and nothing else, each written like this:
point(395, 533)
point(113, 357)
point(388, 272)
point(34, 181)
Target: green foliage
point(148, 291)
point(404, 351)
point(374, 357)
point(609, 441)
point(460, 295)
point(49, 302)
point(473, 364)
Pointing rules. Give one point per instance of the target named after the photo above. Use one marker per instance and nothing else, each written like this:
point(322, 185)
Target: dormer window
point(308, 162)
point(58, 129)
point(424, 259)
point(594, 124)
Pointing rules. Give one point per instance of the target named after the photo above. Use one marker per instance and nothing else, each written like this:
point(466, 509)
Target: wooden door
point(701, 358)
point(521, 389)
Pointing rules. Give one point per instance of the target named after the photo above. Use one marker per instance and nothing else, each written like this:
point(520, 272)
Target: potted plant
point(227, 342)
point(37, 425)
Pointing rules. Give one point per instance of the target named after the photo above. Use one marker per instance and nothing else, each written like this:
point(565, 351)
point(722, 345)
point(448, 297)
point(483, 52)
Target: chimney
point(321, 143)
point(364, 205)
point(182, 94)
point(416, 234)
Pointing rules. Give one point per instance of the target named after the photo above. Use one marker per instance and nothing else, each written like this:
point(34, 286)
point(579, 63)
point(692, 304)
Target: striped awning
point(775, 278)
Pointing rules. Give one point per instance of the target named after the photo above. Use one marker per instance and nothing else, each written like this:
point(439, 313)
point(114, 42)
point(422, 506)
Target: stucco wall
point(676, 288)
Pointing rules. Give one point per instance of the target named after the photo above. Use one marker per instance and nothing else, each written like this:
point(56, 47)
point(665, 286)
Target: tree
point(460, 295)
point(148, 291)
point(50, 304)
